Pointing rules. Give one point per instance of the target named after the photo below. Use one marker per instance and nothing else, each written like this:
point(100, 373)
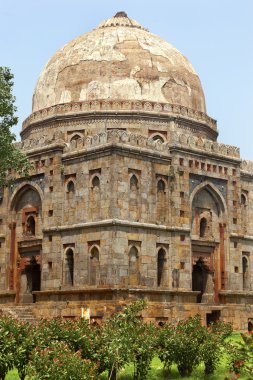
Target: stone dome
point(119, 60)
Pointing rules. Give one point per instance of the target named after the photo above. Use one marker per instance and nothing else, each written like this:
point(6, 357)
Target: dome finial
point(121, 14)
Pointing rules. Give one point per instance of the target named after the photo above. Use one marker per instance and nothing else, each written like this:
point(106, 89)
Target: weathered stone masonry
point(130, 194)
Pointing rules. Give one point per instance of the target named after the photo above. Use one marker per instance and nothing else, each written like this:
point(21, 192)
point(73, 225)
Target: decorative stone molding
point(247, 166)
point(199, 143)
point(41, 141)
point(119, 106)
point(117, 136)
point(178, 139)
point(121, 19)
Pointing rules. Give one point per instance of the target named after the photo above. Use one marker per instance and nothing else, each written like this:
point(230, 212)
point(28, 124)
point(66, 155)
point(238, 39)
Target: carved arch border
point(20, 190)
point(214, 192)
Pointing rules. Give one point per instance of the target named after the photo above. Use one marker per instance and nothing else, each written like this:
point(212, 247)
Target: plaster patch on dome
point(119, 62)
point(101, 48)
point(65, 96)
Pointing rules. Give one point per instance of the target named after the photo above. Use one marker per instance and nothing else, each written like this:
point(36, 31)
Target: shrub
point(165, 345)
point(187, 341)
point(143, 348)
point(241, 356)
point(15, 345)
point(214, 344)
point(58, 362)
point(113, 344)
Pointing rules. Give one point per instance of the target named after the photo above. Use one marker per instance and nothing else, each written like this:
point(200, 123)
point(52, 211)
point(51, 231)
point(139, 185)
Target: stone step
point(22, 313)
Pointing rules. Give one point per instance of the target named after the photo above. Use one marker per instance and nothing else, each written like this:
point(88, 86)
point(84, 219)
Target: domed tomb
point(119, 60)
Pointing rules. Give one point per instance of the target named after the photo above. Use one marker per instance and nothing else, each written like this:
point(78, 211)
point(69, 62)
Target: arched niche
point(94, 265)
point(161, 186)
point(245, 273)
point(208, 212)
point(158, 137)
point(31, 225)
point(95, 182)
point(161, 260)
point(243, 200)
point(134, 183)
point(161, 201)
point(244, 211)
point(75, 137)
point(133, 266)
point(26, 210)
point(30, 193)
point(203, 227)
point(69, 267)
point(70, 187)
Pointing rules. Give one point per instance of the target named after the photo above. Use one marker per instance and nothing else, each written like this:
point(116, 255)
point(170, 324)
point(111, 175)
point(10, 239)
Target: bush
point(123, 339)
point(58, 362)
point(214, 344)
point(15, 345)
point(190, 343)
point(241, 356)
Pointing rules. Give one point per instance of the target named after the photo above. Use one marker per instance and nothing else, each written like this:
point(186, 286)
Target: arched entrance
point(202, 279)
point(26, 242)
point(208, 242)
point(30, 281)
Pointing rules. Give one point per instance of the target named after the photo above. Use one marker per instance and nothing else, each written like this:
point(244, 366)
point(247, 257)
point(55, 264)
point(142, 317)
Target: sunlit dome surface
point(119, 60)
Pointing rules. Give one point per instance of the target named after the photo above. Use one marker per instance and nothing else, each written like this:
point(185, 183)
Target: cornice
point(119, 108)
point(118, 223)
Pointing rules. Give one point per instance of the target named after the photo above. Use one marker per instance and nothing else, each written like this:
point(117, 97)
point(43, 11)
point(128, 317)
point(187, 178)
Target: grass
point(157, 372)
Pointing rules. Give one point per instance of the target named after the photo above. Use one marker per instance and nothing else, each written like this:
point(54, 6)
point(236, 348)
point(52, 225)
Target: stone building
point(130, 194)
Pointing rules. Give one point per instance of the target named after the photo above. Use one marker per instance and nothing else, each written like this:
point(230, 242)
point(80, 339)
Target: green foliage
point(189, 336)
point(12, 375)
point(189, 343)
point(15, 345)
point(214, 344)
point(125, 339)
point(10, 156)
point(165, 347)
point(116, 343)
point(241, 356)
point(59, 362)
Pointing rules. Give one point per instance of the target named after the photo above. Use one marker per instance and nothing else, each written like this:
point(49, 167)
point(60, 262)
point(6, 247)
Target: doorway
point(199, 278)
point(30, 281)
point(212, 317)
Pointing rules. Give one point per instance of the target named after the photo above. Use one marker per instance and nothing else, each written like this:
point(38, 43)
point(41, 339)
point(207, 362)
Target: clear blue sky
point(215, 35)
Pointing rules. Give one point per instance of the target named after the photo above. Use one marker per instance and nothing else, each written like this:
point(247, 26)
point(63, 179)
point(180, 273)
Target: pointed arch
point(202, 227)
point(20, 191)
point(94, 265)
point(158, 137)
point(133, 266)
point(69, 267)
point(75, 137)
point(30, 225)
point(95, 182)
point(214, 192)
point(70, 186)
point(243, 199)
point(161, 206)
point(245, 273)
point(134, 182)
point(161, 186)
point(161, 259)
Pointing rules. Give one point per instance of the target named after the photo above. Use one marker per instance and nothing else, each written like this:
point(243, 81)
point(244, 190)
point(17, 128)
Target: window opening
point(160, 266)
point(30, 226)
point(69, 267)
point(133, 182)
point(202, 227)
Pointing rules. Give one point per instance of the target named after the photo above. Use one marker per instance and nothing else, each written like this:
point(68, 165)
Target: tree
point(10, 156)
